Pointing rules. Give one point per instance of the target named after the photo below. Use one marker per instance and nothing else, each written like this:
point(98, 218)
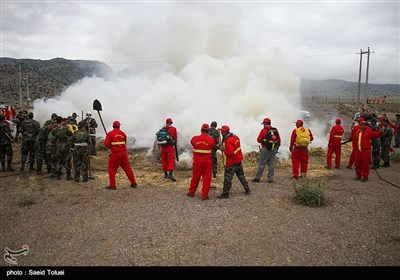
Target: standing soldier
point(168, 151)
point(300, 138)
point(270, 141)
point(79, 142)
point(376, 144)
point(233, 152)
point(203, 145)
point(30, 130)
point(5, 145)
point(397, 132)
point(214, 133)
point(116, 141)
point(91, 126)
point(20, 118)
point(61, 135)
point(48, 151)
point(386, 140)
point(335, 145)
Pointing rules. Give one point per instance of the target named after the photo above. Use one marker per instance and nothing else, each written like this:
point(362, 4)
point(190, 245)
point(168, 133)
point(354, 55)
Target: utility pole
point(366, 79)
point(20, 84)
point(27, 87)
point(359, 79)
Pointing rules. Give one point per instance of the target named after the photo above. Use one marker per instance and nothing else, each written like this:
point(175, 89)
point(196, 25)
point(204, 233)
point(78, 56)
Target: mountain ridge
point(48, 78)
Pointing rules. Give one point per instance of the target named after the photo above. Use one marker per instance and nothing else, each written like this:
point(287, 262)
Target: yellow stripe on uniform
point(202, 151)
point(117, 143)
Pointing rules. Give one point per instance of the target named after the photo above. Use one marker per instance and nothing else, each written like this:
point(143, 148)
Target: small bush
point(310, 193)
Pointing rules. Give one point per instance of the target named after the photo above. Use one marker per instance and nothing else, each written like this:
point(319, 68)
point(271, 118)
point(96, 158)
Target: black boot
point(9, 167)
point(68, 178)
point(165, 175)
point(386, 164)
point(31, 168)
point(223, 195)
point(3, 167)
point(22, 166)
point(170, 176)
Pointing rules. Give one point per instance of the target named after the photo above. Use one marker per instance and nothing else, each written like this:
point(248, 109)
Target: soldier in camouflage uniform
point(61, 135)
point(214, 133)
point(91, 125)
point(397, 135)
point(41, 146)
point(5, 145)
point(376, 144)
point(386, 140)
point(30, 130)
point(80, 144)
point(233, 153)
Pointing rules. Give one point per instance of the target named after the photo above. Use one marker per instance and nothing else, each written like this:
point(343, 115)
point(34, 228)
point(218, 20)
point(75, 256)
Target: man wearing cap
point(386, 140)
point(363, 138)
point(116, 140)
point(267, 156)
point(203, 145)
point(300, 138)
point(231, 148)
point(168, 151)
point(91, 125)
point(335, 145)
point(30, 130)
point(214, 133)
point(5, 145)
point(354, 130)
point(79, 143)
point(73, 119)
point(397, 132)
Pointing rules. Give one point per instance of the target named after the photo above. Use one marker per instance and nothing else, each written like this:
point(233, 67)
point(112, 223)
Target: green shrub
point(309, 193)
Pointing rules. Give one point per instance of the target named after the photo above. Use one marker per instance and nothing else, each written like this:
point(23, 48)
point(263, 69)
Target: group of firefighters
point(59, 138)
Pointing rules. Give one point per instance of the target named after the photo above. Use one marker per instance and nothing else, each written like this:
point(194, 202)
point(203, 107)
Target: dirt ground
point(82, 224)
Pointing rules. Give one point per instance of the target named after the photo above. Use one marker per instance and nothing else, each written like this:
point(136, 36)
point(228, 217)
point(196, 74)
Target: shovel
point(97, 107)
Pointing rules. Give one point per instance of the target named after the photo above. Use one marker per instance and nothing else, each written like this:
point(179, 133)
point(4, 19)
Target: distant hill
point(339, 87)
point(46, 78)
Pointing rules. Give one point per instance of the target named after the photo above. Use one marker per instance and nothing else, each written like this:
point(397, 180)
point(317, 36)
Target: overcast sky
point(317, 39)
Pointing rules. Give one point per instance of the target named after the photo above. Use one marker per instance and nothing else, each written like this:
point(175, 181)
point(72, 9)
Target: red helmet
point(205, 126)
point(168, 120)
point(300, 122)
point(116, 124)
point(266, 120)
point(338, 120)
point(225, 128)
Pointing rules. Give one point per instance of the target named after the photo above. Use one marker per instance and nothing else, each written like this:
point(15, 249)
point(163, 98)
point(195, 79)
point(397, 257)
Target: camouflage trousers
point(214, 164)
point(62, 158)
point(81, 162)
point(385, 153)
point(6, 150)
point(28, 148)
point(41, 156)
point(230, 171)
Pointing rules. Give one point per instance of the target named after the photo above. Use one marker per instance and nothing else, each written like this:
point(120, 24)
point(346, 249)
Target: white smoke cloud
point(208, 75)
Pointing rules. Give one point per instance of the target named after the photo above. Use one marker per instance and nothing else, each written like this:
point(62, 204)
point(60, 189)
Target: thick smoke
point(208, 74)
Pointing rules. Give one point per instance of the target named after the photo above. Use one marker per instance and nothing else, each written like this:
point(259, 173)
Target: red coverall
point(352, 159)
point(203, 145)
point(363, 150)
point(168, 151)
point(299, 156)
point(116, 140)
point(334, 145)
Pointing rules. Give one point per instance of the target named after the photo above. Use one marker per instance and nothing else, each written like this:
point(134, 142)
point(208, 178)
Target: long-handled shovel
point(97, 107)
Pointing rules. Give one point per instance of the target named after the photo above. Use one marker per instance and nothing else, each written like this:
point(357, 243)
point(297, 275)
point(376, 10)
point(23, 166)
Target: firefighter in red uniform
point(168, 152)
point(335, 145)
point(299, 149)
point(363, 138)
point(354, 131)
point(203, 146)
point(116, 140)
